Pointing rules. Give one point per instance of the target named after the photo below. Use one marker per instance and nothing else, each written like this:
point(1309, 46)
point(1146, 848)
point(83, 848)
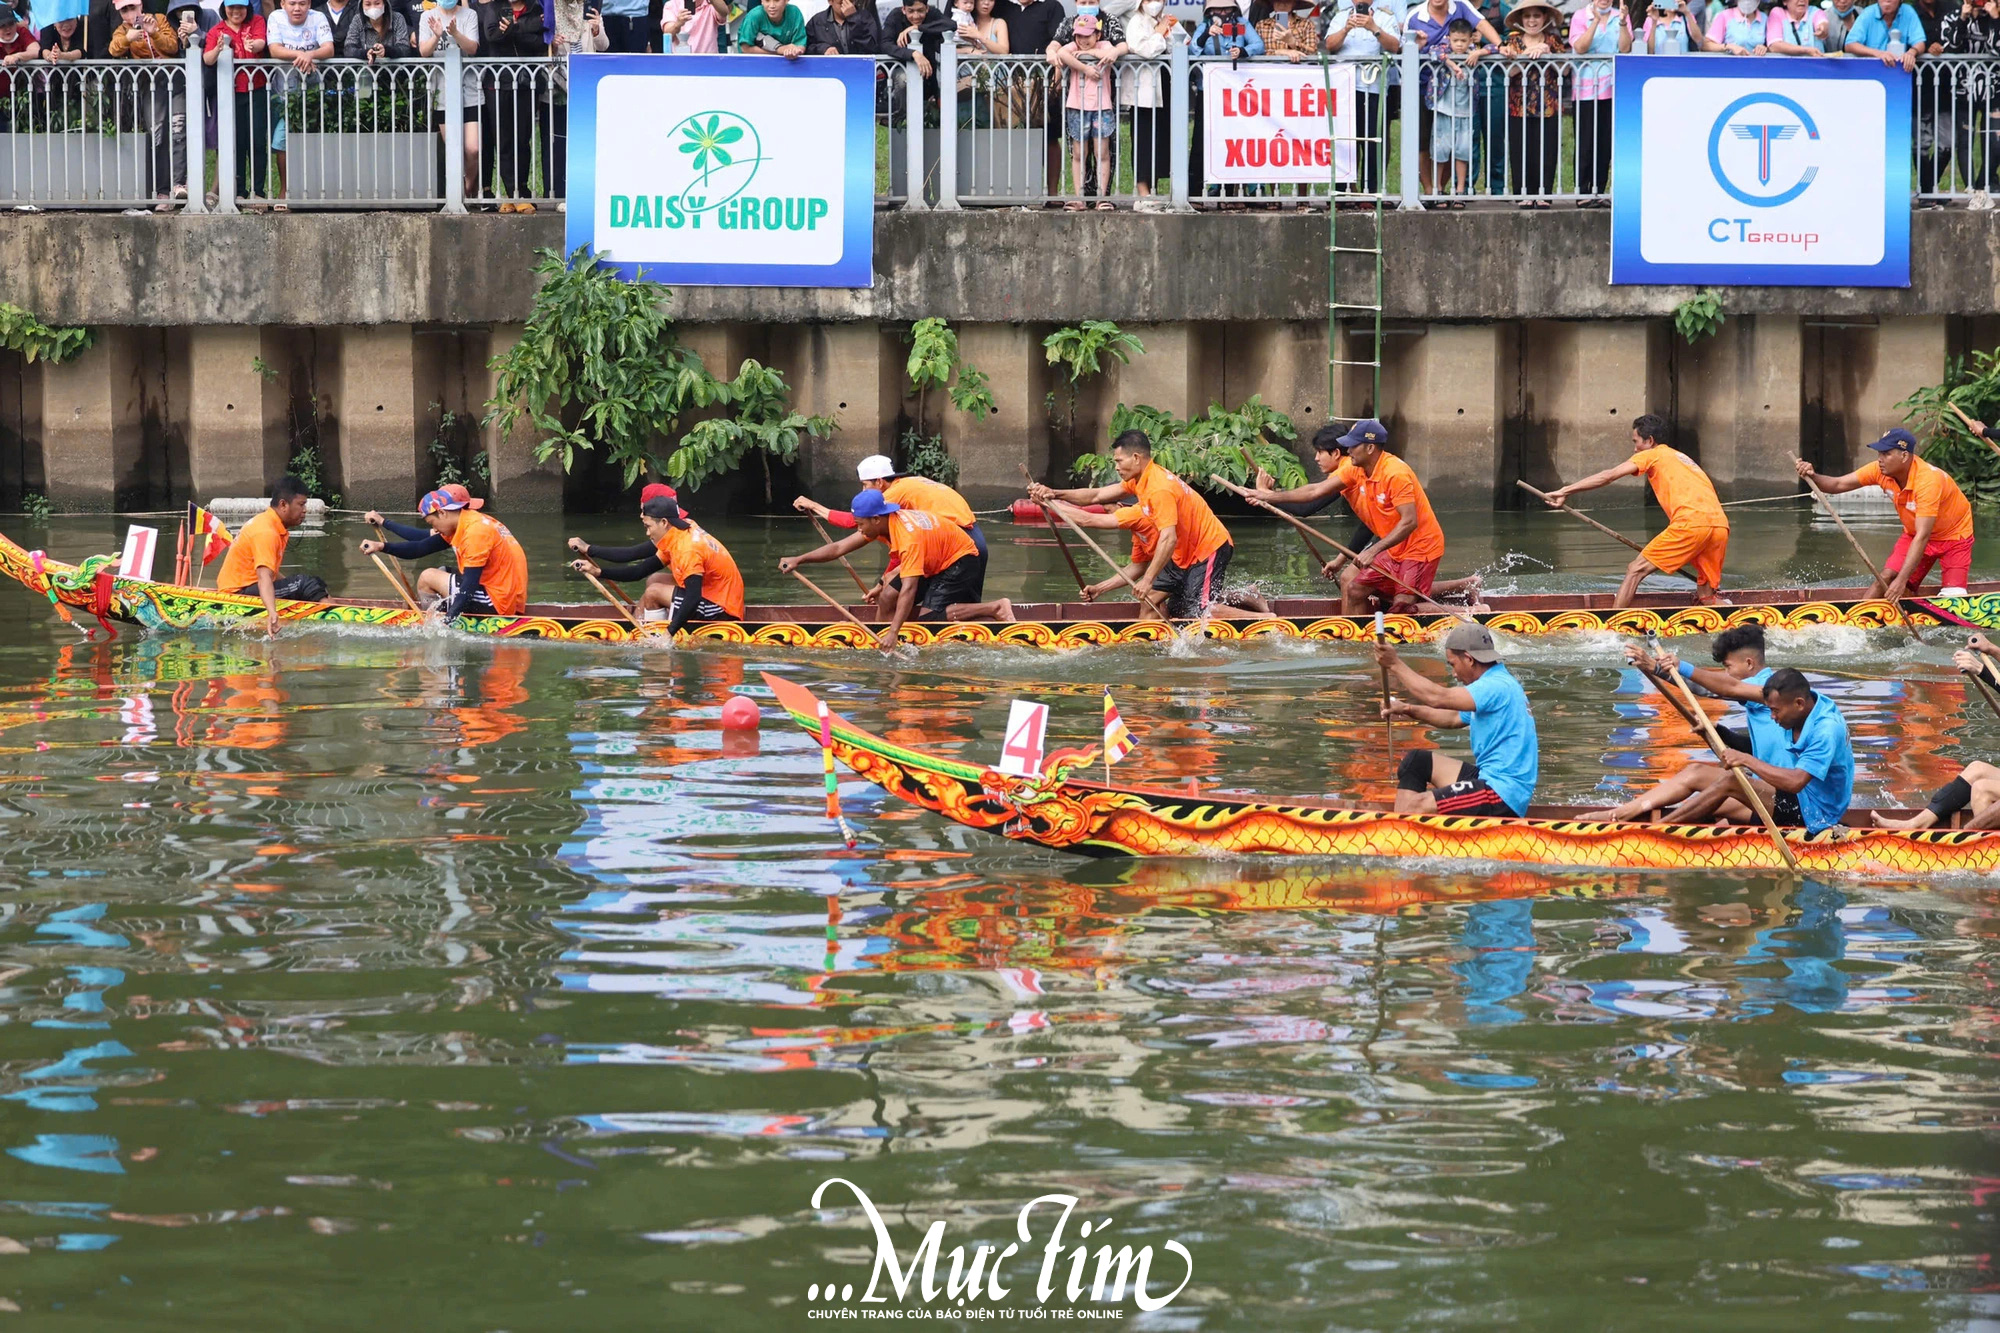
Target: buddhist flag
point(200, 521)
point(1118, 741)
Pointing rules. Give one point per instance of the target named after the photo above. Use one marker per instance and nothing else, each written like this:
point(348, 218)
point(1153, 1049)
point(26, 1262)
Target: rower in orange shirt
point(254, 564)
point(1937, 521)
point(1194, 549)
point(1132, 517)
point(706, 586)
point(492, 577)
point(878, 473)
point(940, 573)
point(1697, 531)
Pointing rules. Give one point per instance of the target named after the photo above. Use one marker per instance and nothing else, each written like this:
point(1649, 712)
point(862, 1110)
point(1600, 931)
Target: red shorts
point(1953, 557)
point(1419, 574)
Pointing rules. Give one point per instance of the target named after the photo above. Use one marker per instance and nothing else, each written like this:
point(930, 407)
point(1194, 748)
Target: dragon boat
point(1065, 813)
point(93, 586)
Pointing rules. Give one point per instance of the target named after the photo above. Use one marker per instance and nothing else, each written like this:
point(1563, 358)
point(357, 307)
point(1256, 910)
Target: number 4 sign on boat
point(1027, 726)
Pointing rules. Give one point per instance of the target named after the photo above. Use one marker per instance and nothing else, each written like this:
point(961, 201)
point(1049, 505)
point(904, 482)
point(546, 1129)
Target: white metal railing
point(394, 134)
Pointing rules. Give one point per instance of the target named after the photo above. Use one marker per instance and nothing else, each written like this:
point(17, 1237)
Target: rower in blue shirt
point(1812, 773)
point(1506, 760)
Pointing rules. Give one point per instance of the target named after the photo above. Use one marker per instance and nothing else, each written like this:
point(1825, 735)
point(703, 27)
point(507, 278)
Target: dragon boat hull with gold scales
point(168, 606)
point(1094, 819)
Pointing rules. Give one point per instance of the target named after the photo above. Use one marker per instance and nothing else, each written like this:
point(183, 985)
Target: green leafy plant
point(1080, 350)
point(760, 421)
point(926, 456)
point(598, 366)
point(1973, 384)
point(1206, 445)
point(21, 332)
point(36, 506)
point(263, 369)
point(446, 453)
point(934, 363)
point(1700, 316)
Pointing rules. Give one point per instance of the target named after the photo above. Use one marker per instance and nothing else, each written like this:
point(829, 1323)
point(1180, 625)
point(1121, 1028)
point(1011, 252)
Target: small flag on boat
point(1118, 741)
point(832, 781)
point(200, 521)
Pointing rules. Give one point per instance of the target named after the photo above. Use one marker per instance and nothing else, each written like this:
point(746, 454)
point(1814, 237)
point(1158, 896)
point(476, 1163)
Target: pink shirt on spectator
point(1782, 29)
point(1593, 79)
point(1089, 92)
point(698, 35)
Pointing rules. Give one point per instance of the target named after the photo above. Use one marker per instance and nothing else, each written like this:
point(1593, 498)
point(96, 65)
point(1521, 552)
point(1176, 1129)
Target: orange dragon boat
point(1068, 814)
point(93, 587)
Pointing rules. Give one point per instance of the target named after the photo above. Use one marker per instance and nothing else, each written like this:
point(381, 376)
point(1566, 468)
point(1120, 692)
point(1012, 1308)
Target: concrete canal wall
point(223, 341)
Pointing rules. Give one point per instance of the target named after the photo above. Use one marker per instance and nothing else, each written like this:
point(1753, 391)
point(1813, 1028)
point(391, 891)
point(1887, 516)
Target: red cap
point(658, 490)
point(459, 493)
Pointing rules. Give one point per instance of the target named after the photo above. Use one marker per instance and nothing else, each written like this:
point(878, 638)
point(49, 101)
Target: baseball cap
point(1085, 24)
point(665, 509)
point(1475, 641)
point(655, 490)
point(873, 504)
point(1895, 439)
point(1370, 431)
point(875, 467)
point(453, 489)
point(437, 500)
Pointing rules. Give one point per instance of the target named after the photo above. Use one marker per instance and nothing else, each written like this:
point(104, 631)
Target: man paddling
point(1808, 781)
point(492, 577)
point(1386, 496)
point(1697, 531)
point(939, 571)
point(1132, 517)
point(1194, 548)
point(255, 563)
point(629, 554)
point(1937, 521)
point(1977, 785)
point(1500, 777)
point(704, 586)
point(878, 473)
point(1741, 676)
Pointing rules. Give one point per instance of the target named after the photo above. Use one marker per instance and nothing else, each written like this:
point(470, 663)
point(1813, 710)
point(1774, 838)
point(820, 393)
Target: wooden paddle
point(1309, 534)
point(639, 627)
point(1875, 579)
point(1543, 496)
point(827, 537)
point(1976, 428)
point(1388, 721)
point(1304, 532)
point(394, 572)
point(1706, 729)
point(1056, 529)
point(1152, 603)
point(1985, 691)
point(402, 589)
point(831, 601)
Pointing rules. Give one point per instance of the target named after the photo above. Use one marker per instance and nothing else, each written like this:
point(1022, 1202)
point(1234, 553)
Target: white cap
point(876, 467)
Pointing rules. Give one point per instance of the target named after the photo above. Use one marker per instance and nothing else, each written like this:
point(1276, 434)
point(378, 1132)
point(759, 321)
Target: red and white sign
point(137, 561)
point(1027, 729)
point(1268, 124)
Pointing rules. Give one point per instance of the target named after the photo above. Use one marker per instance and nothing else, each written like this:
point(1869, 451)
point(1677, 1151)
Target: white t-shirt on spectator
point(308, 36)
point(467, 22)
point(1362, 44)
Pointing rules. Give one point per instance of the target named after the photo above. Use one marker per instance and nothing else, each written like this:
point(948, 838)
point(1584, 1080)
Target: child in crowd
point(1449, 98)
point(1090, 113)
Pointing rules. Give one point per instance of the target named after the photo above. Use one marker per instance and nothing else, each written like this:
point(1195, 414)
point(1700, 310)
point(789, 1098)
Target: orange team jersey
point(1145, 536)
point(921, 544)
point(686, 554)
point(1930, 492)
point(483, 543)
point(261, 541)
point(1682, 488)
point(932, 497)
point(1375, 496)
point(1165, 499)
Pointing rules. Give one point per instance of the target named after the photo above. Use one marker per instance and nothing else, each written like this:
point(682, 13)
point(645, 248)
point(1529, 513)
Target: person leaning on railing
point(1222, 33)
point(62, 41)
point(1363, 34)
point(511, 28)
point(380, 34)
point(243, 32)
point(1426, 25)
point(843, 28)
point(1148, 34)
point(150, 37)
point(302, 37)
point(773, 28)
point(1974, 30)
point(462, 24)
point(1534, 99)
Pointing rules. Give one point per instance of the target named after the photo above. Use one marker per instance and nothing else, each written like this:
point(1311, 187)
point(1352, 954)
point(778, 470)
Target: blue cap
point(437, 500)
point(1370, 431)
point(873, 504)
point(1895, 439)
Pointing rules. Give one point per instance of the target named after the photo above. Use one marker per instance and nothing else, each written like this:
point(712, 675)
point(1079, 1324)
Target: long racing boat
point(1067, 814)
point(93, 586)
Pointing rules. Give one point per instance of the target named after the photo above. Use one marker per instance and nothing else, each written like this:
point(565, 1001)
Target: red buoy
point(740, 714)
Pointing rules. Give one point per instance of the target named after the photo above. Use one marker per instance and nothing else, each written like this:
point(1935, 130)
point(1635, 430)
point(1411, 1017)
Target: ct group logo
point(1764, 150)
point(988, 1284)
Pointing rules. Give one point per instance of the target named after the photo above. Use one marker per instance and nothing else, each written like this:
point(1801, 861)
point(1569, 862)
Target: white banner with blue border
point(725, 171)
point(1773, 171)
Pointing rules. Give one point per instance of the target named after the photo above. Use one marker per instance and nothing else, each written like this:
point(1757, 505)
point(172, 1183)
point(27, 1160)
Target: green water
point(366, 981)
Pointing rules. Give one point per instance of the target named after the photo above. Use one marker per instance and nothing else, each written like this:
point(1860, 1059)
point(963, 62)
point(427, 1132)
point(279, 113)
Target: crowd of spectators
point(1494, 114)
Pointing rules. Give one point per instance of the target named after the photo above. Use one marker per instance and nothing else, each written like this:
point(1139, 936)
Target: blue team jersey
point(1504, 744)
point(1822, 749)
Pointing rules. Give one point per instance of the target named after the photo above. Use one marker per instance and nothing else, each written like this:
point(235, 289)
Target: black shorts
point(1785, 812)
point(1190, 590)
point(1735, 739)
point(479, 602)
point(1467, 796)
point(291, 588)
point(705, 612)
point(962, 581)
